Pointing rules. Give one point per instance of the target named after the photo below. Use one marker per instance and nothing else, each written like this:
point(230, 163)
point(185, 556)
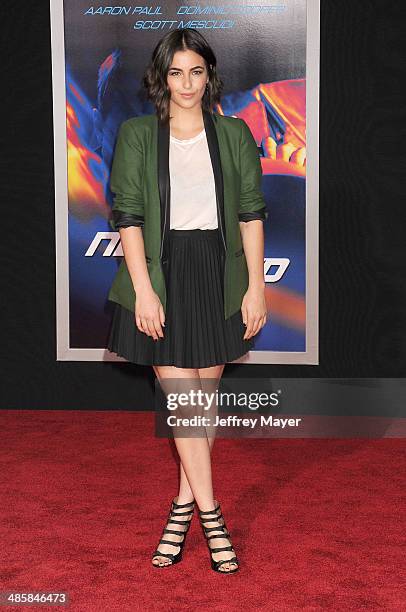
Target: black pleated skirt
point(196, 335)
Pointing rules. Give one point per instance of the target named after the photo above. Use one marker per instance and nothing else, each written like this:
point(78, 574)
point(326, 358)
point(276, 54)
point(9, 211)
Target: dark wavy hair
point(155, 76)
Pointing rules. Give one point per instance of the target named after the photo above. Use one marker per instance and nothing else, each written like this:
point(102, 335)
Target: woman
point(190, 213)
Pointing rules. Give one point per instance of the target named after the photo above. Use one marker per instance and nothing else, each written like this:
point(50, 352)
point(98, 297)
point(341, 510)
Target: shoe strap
point(163, 541)
point(178, 522)
point(215, 550)
point(172, 513)
point(224, 537)
point(183, 505)
point(203, 512)
point(161, 554)
point(212, 520)
point(232, 560)
point(220, 528)
point(174, 532)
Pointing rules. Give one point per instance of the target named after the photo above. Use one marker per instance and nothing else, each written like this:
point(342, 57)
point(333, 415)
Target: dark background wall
point(362, 215)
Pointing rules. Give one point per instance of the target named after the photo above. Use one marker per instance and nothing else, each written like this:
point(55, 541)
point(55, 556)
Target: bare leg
point(194, 452)
point(195, 469)
point(209, 378)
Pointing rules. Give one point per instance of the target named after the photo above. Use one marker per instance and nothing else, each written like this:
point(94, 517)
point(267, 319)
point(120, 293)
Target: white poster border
point(64, 352)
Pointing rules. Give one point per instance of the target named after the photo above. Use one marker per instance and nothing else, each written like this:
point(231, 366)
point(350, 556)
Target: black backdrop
point(362, 215)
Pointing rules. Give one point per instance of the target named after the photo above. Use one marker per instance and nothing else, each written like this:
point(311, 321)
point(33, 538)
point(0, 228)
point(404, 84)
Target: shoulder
point(141, 120)
point(139, 125)
point(136, 132)
point(228, 122)
point(234, 126)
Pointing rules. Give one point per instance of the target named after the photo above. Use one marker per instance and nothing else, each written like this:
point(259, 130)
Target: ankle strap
point(183, 505)
point(173, 513)
point(202, 513)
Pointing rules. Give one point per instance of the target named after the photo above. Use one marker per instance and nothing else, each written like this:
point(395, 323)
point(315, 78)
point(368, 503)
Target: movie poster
point(266, 52)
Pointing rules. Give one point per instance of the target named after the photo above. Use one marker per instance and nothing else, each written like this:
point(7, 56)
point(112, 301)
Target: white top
point(193, 192)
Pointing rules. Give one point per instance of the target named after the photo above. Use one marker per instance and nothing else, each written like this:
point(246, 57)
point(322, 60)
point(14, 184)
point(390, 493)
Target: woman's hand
point(253, 309)
point(149, 313)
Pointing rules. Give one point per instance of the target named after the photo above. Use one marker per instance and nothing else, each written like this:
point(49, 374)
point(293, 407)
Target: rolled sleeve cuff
point(121, 219)
point(261, 214)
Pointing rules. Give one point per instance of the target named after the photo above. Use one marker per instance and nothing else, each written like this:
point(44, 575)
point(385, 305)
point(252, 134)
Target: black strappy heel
point(175, 558)
point(215, 565)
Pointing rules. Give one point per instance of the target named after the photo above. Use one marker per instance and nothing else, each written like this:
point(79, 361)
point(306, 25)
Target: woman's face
point(187, 75)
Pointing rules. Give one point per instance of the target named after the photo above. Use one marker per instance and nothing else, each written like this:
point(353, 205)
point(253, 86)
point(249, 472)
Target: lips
point(187, 95)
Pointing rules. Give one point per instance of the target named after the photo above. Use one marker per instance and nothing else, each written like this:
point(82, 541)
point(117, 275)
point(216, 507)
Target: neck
point(188, 118)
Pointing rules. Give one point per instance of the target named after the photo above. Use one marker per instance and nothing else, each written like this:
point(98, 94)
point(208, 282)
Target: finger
point(249, 329)
point(157, 327)
point(162, 318)
point(247, 333)
point(244, 314)
point(258, 326)
point(139, 323)
point(151, 329)
point(144, 326)
point(254, 325)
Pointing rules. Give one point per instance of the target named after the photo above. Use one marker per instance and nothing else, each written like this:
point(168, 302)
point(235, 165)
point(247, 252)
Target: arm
point(252, 204)
point(252, 234)
point(132, 242)
point(126, 182)
point(251, 214)
point(126, 179)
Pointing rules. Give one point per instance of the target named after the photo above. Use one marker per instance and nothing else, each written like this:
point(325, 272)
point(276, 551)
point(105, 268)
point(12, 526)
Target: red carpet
point(317, 524)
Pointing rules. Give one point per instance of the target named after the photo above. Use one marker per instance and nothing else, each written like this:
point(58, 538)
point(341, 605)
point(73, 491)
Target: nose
point(186, 82)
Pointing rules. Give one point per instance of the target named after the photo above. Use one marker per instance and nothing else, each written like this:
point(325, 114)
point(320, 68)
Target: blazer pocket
point(239, 252)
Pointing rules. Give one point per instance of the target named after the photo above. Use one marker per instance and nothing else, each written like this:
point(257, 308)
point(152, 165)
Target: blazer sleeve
point(126, 179)
point(252, 203)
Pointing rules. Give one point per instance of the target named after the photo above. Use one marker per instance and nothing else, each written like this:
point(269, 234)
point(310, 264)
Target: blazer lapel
point(163, 132)
point(164, 185)
point(214, 150)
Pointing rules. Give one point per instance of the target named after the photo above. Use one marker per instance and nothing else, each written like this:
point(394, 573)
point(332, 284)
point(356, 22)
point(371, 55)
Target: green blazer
point(140, 182)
